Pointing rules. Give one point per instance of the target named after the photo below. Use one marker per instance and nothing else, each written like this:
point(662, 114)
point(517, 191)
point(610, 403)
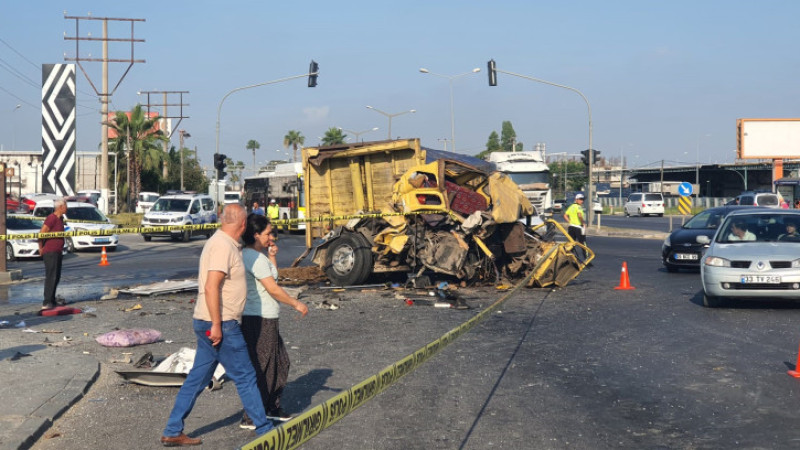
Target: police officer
point(577, 223)
point(273, 211)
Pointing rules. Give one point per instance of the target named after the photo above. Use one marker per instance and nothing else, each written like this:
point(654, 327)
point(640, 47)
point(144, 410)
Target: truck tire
point(348, 260)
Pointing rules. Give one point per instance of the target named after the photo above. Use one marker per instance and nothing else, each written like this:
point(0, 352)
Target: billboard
point(112, 117)
point(768, 138)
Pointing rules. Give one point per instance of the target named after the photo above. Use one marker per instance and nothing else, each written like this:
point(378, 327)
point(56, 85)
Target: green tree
point(575, 173)
point(507, 136)
point(138, 137)
point(194, 177)
point(253, 145)
point(333, 136)
point(492, 145)
point(293, 139)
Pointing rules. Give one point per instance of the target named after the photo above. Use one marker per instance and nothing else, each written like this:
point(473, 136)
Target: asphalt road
point(586, 367)
point(134, 262)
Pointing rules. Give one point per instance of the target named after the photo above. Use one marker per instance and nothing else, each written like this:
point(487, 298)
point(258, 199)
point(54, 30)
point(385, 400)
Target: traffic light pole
point(590, 183)
point(219, 108)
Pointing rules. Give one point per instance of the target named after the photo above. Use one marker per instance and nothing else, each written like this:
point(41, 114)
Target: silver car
point(754, 254)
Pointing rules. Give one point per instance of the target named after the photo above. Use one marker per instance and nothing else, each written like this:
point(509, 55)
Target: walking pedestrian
point(217, 314)
point(260, 317)
point(51, 250)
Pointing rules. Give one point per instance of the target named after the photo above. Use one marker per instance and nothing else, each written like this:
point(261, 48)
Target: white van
point(644, 203)
point(180, 209)
point(145, 201)
point(233, 197)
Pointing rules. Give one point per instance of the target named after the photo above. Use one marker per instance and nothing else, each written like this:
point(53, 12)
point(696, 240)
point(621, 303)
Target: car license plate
point(686, 256)
point(761, 279)
point(102, 240)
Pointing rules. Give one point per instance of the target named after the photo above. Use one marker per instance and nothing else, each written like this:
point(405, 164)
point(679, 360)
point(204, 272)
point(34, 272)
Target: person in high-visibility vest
point(577, 223)
point(273, 211)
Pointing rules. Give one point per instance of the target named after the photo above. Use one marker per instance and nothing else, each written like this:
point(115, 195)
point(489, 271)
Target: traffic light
point(585, 158)
point(492, 73)
point(219, 164)
point(313, 71)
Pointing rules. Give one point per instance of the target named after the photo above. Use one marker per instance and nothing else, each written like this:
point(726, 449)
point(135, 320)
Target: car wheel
point(639, 213)
point(709, 301)
point(186, 236)
point(70, 246)
point(660, 215)
point(348, 260)
point(627, 214)
point(147, 238)
point(10, 252)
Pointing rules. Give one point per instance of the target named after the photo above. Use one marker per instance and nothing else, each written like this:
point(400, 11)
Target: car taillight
point(643, 205)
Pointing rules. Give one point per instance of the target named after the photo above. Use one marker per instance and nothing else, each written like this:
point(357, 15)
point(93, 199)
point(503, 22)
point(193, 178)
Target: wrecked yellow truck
point(395, 206)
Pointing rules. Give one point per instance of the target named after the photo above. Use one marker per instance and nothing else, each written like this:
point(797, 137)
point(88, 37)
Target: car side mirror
point(703, 240)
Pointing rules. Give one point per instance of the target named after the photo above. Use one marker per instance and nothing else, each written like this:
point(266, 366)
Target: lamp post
point(14, 127)
point(219, 111)
point(359, 133)
point(450, 78)
point(390, 117)
point(183, 134)
point(590, 184)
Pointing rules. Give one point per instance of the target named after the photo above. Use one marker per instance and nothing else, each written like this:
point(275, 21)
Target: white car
point(754, 254)
point(645, 203)
point(82, 216)
point(145, 201)
point(22, 248)
point(180, 209)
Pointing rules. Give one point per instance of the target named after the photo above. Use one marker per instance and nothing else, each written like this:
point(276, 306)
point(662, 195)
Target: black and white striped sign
point(58, 128)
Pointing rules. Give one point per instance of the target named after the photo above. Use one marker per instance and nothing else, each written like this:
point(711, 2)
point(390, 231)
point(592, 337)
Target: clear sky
point(664, 79)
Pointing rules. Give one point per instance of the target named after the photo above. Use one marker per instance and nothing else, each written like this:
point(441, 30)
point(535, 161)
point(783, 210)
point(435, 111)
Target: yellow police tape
point(205, 226)
point(300, 429)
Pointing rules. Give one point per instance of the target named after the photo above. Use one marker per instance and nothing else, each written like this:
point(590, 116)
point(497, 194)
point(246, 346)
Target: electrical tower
point(165, 116)
point(104, 94)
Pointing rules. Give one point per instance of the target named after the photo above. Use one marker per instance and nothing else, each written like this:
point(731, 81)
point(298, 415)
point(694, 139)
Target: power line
point(17, 97)
point(20, 54)
point(5, 65)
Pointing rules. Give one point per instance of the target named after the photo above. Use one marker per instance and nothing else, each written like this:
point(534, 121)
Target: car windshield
point(171, 205)
point(760, 228)
point(707, 219)
point(92, 214)
point(20, 223)
point(653, 197)
point(148, 197)
point(232, 196)
point(768, 200)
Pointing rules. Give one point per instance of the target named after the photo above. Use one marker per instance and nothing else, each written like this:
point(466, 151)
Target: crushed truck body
point(395, 206)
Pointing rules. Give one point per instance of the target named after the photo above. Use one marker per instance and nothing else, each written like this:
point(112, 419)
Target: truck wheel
point(348, 260)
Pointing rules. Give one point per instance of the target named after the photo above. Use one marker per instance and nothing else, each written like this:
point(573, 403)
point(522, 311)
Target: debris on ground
point(295, 276)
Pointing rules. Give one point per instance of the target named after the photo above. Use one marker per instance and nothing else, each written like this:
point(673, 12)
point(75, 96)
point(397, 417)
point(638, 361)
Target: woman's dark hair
point(256, 223)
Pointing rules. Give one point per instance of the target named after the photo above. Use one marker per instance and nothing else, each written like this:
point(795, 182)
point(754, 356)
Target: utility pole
point(165, 116)
point(104, 93)
point(183, 134)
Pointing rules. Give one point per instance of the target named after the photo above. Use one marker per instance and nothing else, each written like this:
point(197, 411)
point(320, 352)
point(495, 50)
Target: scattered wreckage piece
point(445, 213)
point(162, 287)
point(171, 371)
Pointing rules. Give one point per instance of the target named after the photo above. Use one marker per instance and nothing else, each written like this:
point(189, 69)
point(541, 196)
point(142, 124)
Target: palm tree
point(294, 139)
point(137, 135)
point(333, 136)
point(253, 145)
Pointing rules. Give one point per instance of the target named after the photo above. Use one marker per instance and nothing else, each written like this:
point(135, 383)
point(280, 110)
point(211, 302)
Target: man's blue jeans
point(232, 354)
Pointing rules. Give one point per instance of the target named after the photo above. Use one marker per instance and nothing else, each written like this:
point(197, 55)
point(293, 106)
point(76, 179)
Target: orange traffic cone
point(104, 258)
point(624, 281)
point(796, 372)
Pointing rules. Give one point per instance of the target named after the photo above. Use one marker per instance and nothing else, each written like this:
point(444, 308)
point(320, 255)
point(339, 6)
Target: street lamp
point(450, 78)
point(14, 127)
point(590, 184)
point(390, 117)
point(359, 133)
point(183, 134)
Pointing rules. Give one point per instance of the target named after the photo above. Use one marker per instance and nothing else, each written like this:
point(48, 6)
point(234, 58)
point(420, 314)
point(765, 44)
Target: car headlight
point(667, 242)
point(796, 263)
point(716, 261)
point(177, 219)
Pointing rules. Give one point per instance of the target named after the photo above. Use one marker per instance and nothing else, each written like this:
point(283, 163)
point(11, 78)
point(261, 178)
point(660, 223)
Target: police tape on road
point(308, 424)
point(200, 227)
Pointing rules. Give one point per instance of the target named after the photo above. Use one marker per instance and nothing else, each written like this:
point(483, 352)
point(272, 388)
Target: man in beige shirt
point(216, 321)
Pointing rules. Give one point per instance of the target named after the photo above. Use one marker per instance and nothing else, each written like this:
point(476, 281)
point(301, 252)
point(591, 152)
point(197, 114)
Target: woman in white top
point(260, 316)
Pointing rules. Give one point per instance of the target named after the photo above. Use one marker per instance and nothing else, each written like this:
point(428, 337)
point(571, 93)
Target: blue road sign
point(685, 189)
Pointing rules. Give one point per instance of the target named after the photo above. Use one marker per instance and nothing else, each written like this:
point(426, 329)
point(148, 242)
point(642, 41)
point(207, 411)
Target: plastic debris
point(134, 308)
point(21, 324)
